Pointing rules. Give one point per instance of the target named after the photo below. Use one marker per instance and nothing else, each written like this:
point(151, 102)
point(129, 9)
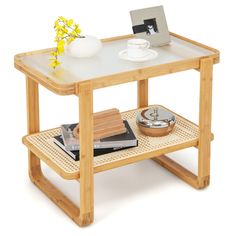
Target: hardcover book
point(75, 154)
point(127, 139)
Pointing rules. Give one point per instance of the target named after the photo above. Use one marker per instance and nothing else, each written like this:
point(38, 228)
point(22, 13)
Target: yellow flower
point(64, 29)
point(77, 30)
point(74, 34)
point(60, 47)
point(62, 18)
point(53, 53)
point(70, 22)
point(54, 64)
point(66, 32)
point(69, 40)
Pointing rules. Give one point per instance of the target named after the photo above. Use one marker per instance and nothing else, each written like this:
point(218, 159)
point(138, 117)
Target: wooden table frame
point(84, 215)
point(205, 107)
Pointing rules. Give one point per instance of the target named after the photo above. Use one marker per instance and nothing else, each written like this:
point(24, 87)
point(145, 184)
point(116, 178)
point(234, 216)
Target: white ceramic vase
point(87, 46)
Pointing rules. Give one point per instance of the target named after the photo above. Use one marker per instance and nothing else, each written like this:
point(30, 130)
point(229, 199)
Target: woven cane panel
point(183, 132)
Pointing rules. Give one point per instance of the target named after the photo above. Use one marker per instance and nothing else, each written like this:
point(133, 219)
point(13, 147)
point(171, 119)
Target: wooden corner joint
point(86, 87)
point(206, 60)
point(85, 219)
point(203, 182)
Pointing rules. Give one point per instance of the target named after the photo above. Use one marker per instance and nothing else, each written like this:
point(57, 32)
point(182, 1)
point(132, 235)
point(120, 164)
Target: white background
point(139, 199)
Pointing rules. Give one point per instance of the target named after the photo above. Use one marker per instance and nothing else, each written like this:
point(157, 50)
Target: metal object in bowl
point(155, 122)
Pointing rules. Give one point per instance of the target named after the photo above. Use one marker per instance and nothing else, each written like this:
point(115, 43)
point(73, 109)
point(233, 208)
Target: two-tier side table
point(80, 77)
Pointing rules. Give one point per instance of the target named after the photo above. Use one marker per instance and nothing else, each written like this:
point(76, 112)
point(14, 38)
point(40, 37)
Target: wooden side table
point(80, 77)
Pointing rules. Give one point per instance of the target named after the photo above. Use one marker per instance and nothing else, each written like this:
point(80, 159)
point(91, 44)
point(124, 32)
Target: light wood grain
point(60, 89)
point(35, 171)
point(119, 78)
point(147, 72)
point(144, 156)
point(32, 102)
point(177, 170)
point(215, 56)
point(106, 123)
point(85, 214)
point(86, 154)
point(142, 93)
point(138, 155)
point(205, 135)
point(63, 202)
point(205, 121)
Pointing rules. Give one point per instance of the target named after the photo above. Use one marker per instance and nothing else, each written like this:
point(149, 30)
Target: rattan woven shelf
point(185, 134)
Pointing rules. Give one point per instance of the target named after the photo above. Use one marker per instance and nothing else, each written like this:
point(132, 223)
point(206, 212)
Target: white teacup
point(137, 48)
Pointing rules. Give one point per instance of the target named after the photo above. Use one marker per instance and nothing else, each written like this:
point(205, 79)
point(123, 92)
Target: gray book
point(127, 139)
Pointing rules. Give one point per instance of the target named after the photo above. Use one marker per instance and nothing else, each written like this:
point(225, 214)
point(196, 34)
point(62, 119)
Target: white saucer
point(150, 56)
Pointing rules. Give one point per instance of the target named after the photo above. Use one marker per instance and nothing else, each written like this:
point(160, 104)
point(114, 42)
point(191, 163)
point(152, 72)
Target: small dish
point(150, 56)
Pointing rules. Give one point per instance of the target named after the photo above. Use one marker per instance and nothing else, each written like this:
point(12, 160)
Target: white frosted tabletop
point(107, 62)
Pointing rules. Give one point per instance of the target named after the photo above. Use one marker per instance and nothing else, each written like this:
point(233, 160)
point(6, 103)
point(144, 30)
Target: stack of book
point(70, 144)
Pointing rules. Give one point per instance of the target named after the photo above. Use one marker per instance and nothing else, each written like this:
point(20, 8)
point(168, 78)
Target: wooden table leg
point(142, 93)
point(35, 171)
point(206, 67)
point(86, 154)
point(32, 98)
point(205, 136)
